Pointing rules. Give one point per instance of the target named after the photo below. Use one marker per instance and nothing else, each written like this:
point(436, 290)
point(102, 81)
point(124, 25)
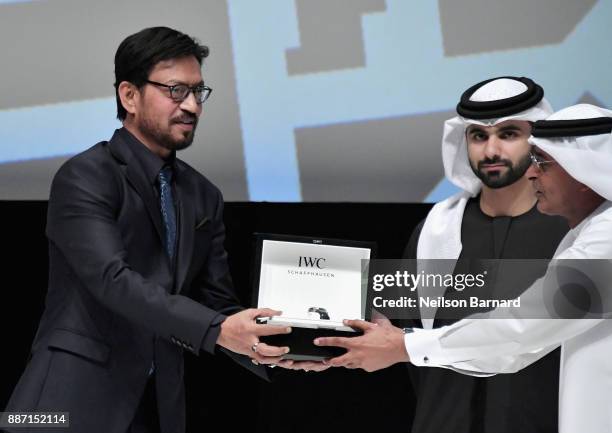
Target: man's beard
point(164, 138)
point(495, 179)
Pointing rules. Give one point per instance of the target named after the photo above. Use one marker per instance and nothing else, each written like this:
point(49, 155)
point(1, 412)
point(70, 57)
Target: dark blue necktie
point(167, 210)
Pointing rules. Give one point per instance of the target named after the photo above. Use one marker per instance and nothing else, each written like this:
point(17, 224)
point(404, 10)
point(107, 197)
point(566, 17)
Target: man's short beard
point(165, 139)
point(495, 180)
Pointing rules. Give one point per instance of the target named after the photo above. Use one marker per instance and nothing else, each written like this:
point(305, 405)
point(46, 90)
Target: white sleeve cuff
point(423, 347)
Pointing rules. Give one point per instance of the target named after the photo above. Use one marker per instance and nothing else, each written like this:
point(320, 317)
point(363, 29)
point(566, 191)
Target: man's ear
point(129, 95)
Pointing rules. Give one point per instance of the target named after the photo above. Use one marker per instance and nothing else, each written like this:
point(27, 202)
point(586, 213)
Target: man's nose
point(492, 147)
point(190, 104)
point(533, 172)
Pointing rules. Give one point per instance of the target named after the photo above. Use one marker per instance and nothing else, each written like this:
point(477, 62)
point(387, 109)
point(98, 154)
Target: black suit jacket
point(113, 303)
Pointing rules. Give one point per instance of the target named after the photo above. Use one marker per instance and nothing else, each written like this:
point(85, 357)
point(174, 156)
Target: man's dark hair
point(138, 54)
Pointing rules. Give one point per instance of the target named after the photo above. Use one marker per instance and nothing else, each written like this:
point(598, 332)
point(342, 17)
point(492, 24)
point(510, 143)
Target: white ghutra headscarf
point(579, 139)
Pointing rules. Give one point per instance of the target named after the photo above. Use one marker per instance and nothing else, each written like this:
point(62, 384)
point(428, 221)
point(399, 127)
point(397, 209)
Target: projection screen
point(314, 100)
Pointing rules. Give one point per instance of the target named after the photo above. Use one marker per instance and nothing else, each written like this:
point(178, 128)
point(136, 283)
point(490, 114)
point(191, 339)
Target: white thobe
point(483, 347)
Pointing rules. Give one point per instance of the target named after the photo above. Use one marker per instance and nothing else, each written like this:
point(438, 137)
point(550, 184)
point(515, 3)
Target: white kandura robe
point(505, 345)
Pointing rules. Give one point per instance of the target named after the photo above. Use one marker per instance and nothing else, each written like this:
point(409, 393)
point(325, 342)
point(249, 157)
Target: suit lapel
point(186, 229)
point(136, 177)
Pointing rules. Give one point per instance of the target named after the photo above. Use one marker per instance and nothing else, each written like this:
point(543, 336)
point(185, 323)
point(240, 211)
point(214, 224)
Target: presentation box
point(316, 283)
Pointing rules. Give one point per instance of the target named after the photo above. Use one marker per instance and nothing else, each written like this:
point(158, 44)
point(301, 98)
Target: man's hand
point(379, 318)
point(240, 333)
point(381, 346)
point(304, 365)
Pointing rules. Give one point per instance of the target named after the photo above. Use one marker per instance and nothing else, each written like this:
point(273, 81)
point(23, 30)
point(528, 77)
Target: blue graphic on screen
point(273, 104)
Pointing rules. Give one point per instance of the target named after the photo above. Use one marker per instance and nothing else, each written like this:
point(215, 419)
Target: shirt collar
point(150, 162)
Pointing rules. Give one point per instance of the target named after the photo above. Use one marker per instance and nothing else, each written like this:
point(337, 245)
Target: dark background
point(221, 394)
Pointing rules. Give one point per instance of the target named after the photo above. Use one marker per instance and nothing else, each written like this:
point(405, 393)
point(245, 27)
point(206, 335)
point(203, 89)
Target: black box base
point(301, 346)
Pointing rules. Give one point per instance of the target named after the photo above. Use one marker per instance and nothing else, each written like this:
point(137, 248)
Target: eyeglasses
point(180, 92)
point(539, 162)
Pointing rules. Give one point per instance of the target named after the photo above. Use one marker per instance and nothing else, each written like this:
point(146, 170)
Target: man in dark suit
point(138, 272)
